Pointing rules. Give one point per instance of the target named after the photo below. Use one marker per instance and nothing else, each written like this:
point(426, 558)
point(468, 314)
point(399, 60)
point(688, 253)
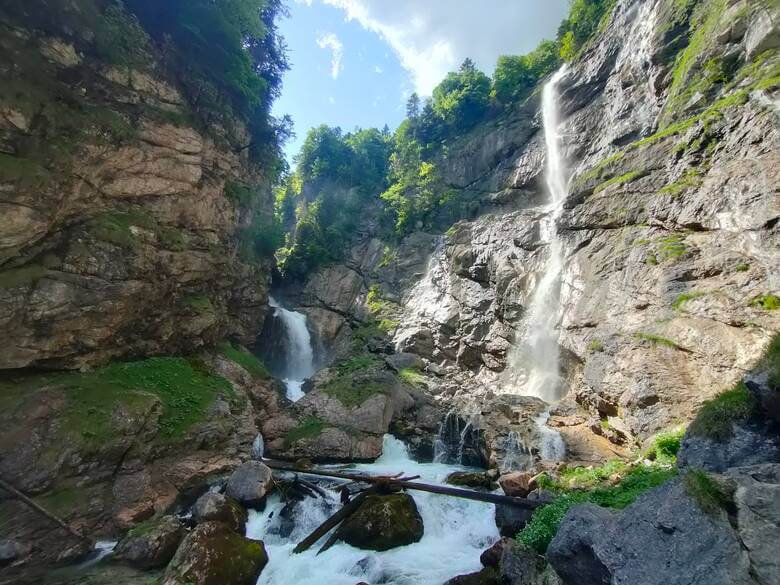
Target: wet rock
point(214, 507)
point(510, 519)
point(472, 479)
point(249, 484)
point(212, 554)
point(748, 445)
point(520, 566)
point(12, 550)
point(663, 538)
point(517, 483)
point(403, 361)
point(382, 523)
point(151, 544)
point(491, 557)
point(487, 576)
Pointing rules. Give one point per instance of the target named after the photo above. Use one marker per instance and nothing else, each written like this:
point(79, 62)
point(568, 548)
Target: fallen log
point(342, 514)
point(42, 511)
point(406, 483)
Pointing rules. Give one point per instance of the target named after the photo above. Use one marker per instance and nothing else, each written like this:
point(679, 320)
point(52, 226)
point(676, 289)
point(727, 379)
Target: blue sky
point(354, 62)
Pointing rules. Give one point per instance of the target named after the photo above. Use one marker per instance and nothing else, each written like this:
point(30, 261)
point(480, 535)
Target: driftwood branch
point(42, 511)
point(345, 512)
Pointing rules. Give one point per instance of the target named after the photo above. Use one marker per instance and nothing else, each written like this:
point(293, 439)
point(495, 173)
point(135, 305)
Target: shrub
point(716, 417)
point(413, 377)
point(595, 345)
point(767, 302)
point(665, 446)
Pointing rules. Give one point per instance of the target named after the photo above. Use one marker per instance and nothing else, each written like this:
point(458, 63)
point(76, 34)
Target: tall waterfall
point(299, 358)
point(537, 356)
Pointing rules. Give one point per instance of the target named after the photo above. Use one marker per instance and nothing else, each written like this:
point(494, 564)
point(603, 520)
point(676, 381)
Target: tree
point(413, 106)
point(462, 98)
point(516, 76)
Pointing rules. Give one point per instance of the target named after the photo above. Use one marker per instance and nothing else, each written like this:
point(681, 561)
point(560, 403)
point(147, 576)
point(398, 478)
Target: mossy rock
point(471, 479)
point(214, 507)
point(382, 523)
point(212, 554)
point(151, 544)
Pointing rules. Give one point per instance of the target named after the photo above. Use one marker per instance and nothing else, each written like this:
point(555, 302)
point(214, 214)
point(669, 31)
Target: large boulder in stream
point(212, 554)
point(249, 484)
point(214, 507)
point(151, 544)
point(382, 523)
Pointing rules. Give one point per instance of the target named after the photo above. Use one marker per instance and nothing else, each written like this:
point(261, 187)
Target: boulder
point(510, 519)
point(212, 554)
point(749, 444)
point(382, 523)
point(472, 479)
point(151, 544)
point(518, 483)
point(487, 576)
point(520, 566)
point(663, 538)
point(491, 557)
point(214, 507)
point(249, 484)
point(403, 361)
point(12, 550)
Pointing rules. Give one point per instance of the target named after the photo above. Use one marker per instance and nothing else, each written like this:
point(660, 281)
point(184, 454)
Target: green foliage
point(771, 363)
point(200, 303)
point(768, 302)
point(665, 446)
point(245, 359)
point(679, 302)
point(462, 98)
point(595, 345)
point(592, 485)
point(708, 494)
point(240, 194)
point(120, 40)
point(716, 417)
point(352, 392)
point(28, 172)
point(117, 227)
point(742, 267)
point(413, 377)
point(308, 429)
point(620, 180)
point(691, 179)
point(358, 363)
point(261, 238)
point(658, 340)
point(585, 19)
point(516, 76)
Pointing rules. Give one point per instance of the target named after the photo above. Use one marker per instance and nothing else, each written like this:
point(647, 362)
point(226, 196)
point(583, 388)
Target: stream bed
point(456, 532)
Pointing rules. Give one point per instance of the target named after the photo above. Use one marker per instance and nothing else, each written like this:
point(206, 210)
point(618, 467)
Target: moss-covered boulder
point(249, 484)
point(212, 554)
point(479, 480)
point(382, 523)
point(152, 544)
point(213, 507)
point(487, 576)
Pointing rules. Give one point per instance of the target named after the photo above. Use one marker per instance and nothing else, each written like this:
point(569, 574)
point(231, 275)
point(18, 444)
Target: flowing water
point(456, 532)
point(299, 358)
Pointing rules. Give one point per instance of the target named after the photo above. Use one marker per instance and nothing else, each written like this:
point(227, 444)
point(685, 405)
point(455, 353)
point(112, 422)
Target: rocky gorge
point(136, 401)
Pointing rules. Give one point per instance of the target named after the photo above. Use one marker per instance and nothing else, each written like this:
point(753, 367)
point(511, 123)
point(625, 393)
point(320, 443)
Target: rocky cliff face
point(118, 235)
point(670, 231)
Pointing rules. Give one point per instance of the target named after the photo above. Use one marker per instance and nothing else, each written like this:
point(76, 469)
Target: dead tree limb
point(342, 514)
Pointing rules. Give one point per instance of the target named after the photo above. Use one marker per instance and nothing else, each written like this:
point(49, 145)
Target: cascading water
point(456, 532)
point(299, 355)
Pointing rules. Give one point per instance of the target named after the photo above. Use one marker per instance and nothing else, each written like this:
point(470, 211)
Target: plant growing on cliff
point(716, 417)
point(708, 494)
point(245, 359)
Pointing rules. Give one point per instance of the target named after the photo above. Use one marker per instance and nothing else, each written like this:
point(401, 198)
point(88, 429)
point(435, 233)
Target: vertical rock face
point(670, 228)
point(118, 235)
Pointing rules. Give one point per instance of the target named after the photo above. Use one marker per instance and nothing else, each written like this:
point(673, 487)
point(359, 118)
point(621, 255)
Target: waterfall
point(299, 356)
point(537, 355)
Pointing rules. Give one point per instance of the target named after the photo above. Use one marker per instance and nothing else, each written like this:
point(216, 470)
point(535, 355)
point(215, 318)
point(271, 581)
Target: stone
point(510, 519)
point(249, 484)
point(472, 479)
point(486, 576)
point(383, 522)
point(663, 538)
point(762, 33)
point(518, 483)
point(520, 566)
point(748, 445)
point(214, 507)
point(212, 554)
point(491, 557)
point(403, 361)
point(11, 551)
point(151, 544)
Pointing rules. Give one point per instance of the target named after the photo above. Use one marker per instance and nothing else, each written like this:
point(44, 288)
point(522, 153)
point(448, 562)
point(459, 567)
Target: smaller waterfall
point(299, 355)
point(458, 442)
point(551, 445)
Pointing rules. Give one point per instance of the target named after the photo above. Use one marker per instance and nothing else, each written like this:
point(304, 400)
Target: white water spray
point(300, 356)
point(538, 356)
point(456, 532)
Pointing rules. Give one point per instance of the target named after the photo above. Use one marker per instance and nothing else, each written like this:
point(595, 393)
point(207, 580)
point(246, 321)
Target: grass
point(21, 276)
point(595, 345)
point(200, 303)
point(708, 494)
point(691, 179)
point(245, 359)
point(359, 363)
point(352, 393)
point(716, 417)
point(621, 180)
point(116, 227)
point(309, 428)
point(768, 302)
point(742, 267)
point(679, 302)
point(671, 247)
point(665, 446)
point(591, 485)
point(658, 340)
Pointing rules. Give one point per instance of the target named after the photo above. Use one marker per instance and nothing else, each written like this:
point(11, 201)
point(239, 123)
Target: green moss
point(388, 256)
point(691, 179)
point(679, 302)
point(742, 267)
point(671, 247)
point(665, 446)
point(173, 238)
point(413, 377)
point(658, 340)
point(239, 193)
point(309, 428)
point(593, 485)
point(26, 171)
point(716, 417)
point(359, 363)
point(708, 494)
point(351, 392)
point(200, 303)
point(245, 359)
point(771, 363)
point(768, 302)
point(17, 277)
point(117, 227)
point(388, 325)
point(620, 180)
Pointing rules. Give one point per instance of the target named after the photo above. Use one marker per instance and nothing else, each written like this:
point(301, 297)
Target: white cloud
point(433, 37)
point(378, 69)
point(331, 100)
point(332, 42)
